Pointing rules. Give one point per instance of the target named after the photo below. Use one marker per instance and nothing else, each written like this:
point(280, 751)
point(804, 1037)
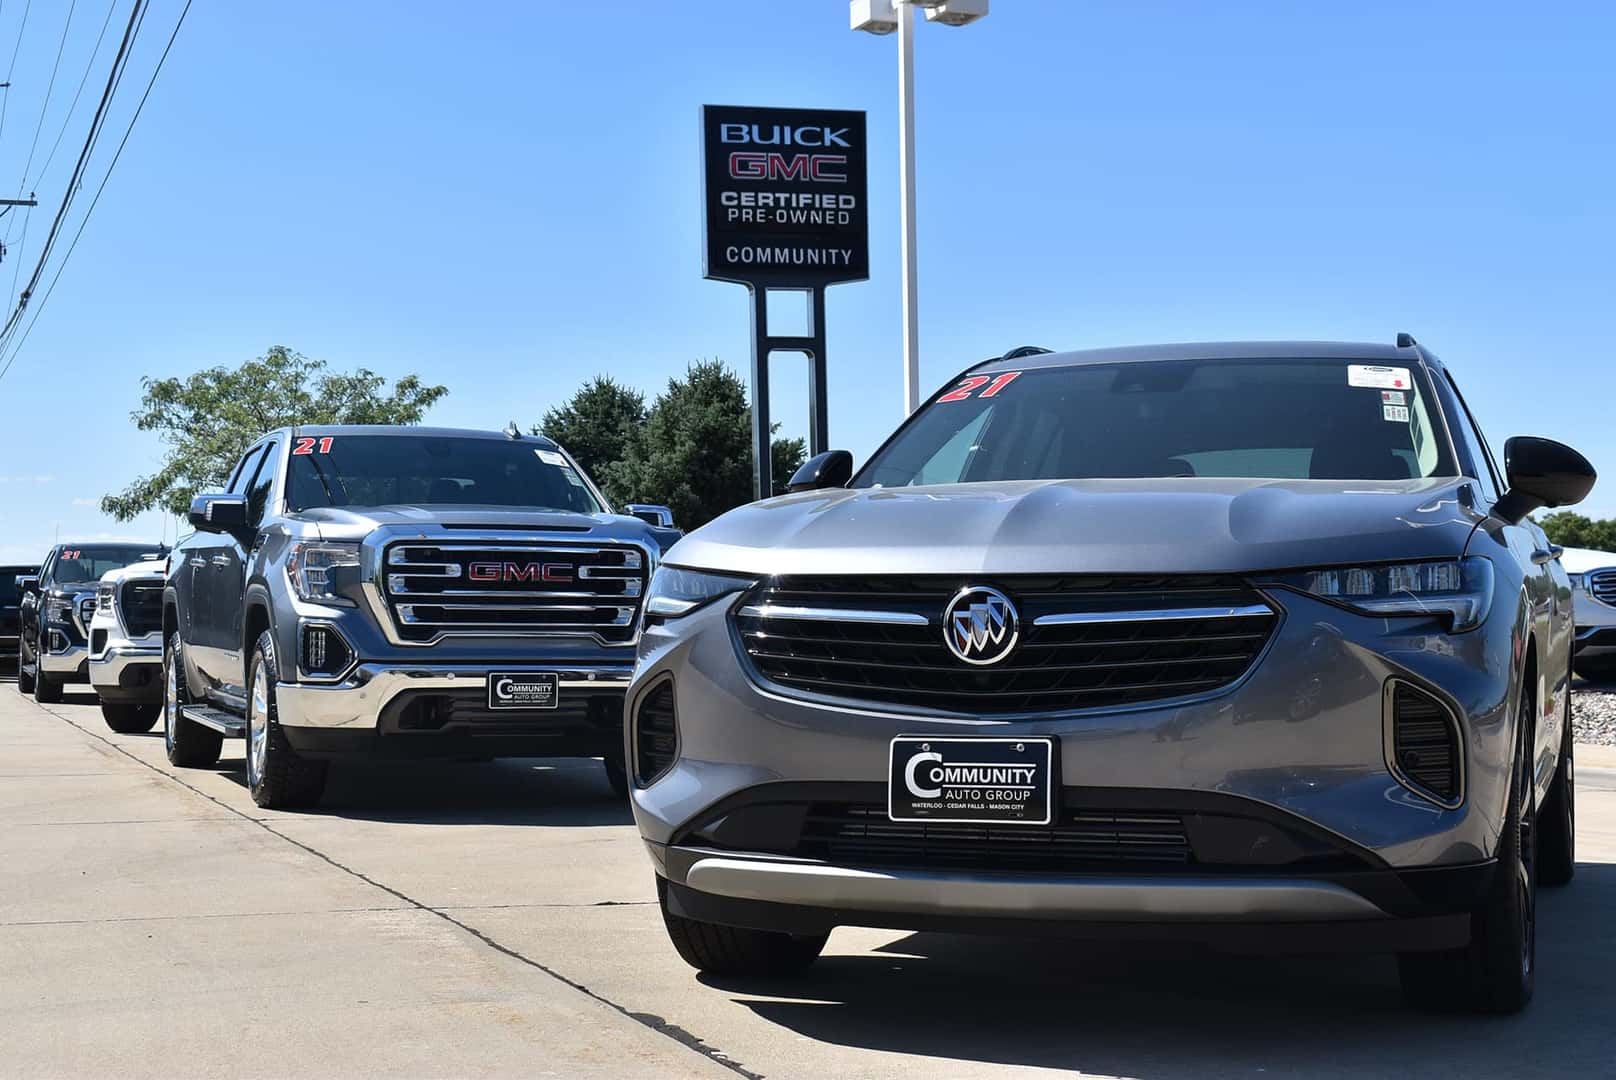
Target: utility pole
point(19, 202)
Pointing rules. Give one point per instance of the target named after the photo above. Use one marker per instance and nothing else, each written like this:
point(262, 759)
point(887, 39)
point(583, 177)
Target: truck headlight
point(103, 596)
point(1459, 589)
point(676, 591)
point(59, 610)
point(320, 570)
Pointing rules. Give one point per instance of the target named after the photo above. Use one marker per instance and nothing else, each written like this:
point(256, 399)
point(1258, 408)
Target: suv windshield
point(1279, 419)
point(389, 470)
point(79, 565)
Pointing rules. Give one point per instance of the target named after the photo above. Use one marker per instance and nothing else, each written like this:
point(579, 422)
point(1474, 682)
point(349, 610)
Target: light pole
point(883, 17)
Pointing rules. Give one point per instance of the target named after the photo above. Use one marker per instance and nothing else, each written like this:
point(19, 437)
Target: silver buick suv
point(1251, 644)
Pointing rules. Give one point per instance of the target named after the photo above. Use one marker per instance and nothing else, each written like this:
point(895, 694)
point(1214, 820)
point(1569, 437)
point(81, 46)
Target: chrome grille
point(1085, 641)
point(468, 587)
point(141, 603)
point(1602, 585)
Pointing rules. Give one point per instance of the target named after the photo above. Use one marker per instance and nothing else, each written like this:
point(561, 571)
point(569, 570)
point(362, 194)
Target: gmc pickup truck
point(403, 592)
point(55, 612)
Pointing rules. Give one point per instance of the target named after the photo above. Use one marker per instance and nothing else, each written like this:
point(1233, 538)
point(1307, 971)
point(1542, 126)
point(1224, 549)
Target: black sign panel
point(998, 781)
point(523, 690)
point(786, 195)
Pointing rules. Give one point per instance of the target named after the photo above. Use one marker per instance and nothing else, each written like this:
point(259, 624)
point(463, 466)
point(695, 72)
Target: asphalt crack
point(661, 1026)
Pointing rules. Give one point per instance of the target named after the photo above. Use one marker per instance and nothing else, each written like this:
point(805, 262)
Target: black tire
point(188, 743)
point(47, 691)
point(1497, 971)
point(1557, 818)
point(616, 775)
point(277, 777)
point(25, 681)
point(130, 719)
point(734, 950)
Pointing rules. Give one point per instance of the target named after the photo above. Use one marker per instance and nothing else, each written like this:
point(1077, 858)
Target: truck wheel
point(47, 691)
point(130, 719)
point(25, 681)
point(276, 776)
point(189, 744)
point(1495, 973)
point(616, 775)
point(733, 950)
point(1557, 819)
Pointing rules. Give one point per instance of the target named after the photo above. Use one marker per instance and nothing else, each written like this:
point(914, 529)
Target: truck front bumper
point(67, 663)
point(128, 673)
point(427, 710)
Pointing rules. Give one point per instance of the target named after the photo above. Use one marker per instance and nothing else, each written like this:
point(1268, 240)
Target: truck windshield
point(1280, 419)
point(390, 470)
point(79, 565)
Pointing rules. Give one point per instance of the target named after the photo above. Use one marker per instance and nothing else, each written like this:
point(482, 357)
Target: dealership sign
point(785, 196)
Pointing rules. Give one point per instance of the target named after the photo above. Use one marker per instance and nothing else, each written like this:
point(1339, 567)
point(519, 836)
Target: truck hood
point(1177, 525)
point(355, 523)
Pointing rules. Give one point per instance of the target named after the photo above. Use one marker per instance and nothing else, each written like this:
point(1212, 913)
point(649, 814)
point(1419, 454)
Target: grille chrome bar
point(1085, 618)
point(1602, 585)
point(845, 615)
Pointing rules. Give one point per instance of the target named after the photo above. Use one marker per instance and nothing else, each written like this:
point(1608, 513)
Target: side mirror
point(832, 469)
point(218, 513)
point(27, 583)
point(651, 514)
point(1542, 472)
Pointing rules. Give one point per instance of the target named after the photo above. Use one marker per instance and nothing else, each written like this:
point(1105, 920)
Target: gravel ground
point(1593, 713)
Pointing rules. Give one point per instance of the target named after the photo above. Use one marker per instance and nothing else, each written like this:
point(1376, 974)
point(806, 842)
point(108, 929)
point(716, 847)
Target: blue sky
point(504, 198)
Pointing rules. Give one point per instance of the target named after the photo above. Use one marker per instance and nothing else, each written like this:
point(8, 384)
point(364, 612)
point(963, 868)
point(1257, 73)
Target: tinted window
point(385, 470)
point(77, 565)
point(244, 472)
point(258, 494)
point(1475, 445)
point(1301, 419)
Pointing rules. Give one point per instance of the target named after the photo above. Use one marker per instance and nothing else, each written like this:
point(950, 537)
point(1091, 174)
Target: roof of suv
point(404, 429)
point(1214, 350)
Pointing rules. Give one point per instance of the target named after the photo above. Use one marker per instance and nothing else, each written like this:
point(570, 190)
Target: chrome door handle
point(1547, 555)
point(220, 561)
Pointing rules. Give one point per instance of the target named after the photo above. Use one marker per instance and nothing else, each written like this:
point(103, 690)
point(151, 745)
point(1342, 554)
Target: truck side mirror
point(1542, 472)
point(831, 469)
point(651, 514)
point(27, 583)
point(218, 513)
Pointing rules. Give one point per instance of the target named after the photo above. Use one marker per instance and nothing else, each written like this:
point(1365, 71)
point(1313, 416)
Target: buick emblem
point(981, 625)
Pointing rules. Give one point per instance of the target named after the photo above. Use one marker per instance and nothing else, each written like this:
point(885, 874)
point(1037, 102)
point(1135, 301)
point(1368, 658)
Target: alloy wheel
point(171, 699)
point(257, 726)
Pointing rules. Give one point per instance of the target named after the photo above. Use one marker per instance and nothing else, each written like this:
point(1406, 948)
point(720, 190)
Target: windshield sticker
point(550, 457)
point(307, 445)
point(972, 384)
point(1375, 377)
point(1393, 397)
point(1395, 413)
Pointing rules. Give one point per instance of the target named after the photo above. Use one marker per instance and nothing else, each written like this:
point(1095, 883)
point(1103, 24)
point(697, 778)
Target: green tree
point(596, 427)
point(1576, 530)
point(208, 419)
point(694, 451)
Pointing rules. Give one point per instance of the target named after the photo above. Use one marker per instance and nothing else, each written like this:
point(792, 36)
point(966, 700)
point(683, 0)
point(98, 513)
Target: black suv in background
point(403, 592)
point(55, 610)
point(10, 598)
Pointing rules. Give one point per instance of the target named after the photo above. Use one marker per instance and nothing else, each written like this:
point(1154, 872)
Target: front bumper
point(418, 710)
point(66, 664)
point(128, 673)
point(1596, 627)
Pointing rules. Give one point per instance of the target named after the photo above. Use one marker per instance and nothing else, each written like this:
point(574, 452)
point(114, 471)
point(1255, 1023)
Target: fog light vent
point(325, 653)
point(656, 734)
point(98, 642)
point(1425, 750)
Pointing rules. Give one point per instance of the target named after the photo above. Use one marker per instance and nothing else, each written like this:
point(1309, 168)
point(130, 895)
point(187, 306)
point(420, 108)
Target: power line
point(44, 106)
point(118, 62)
point(85, 78)
point(14, 50)
point(97, 198)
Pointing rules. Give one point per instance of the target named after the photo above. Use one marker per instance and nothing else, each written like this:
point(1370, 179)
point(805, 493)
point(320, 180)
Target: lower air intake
point(1425, 750)
point(656, 734)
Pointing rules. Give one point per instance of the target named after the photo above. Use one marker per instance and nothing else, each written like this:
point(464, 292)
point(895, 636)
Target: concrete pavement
point(493, 920)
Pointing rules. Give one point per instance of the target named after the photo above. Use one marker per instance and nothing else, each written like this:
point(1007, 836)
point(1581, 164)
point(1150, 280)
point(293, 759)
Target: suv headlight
point(319, 571)
point(676, 591)
point(1459, 589)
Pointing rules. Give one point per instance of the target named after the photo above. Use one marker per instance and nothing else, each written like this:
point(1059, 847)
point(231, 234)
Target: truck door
point(230, 583)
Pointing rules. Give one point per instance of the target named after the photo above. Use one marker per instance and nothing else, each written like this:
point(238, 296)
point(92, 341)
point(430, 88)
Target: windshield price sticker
point(551, 457)
point(306, 445)
point(969, 386)
point(1374, 377)
point(1393, 397)
point(1001, 781)
point(1396, 413)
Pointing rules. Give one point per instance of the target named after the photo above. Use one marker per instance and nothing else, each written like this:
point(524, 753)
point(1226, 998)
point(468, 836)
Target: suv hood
point(354, 523)
point(1158, 526)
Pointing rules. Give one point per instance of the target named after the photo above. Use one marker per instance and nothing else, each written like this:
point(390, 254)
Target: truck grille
point(142, 607)
point(1602, 584)
point(1084, 642)
point(513, 588)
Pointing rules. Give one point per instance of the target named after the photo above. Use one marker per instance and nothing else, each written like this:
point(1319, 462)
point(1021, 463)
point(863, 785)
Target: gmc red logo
point(755, 165)
point(509, 571)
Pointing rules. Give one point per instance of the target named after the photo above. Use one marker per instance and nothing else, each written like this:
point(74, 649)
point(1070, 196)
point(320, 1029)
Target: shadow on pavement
point(510, 791)
point(1185, 1012)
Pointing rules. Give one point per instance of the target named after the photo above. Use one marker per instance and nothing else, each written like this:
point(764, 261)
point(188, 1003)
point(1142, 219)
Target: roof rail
point(1025, 350)
point(1406, 341)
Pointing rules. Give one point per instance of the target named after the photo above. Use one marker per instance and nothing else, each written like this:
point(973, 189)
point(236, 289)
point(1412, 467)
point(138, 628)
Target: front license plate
point(997, 781)
point(523, 690)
